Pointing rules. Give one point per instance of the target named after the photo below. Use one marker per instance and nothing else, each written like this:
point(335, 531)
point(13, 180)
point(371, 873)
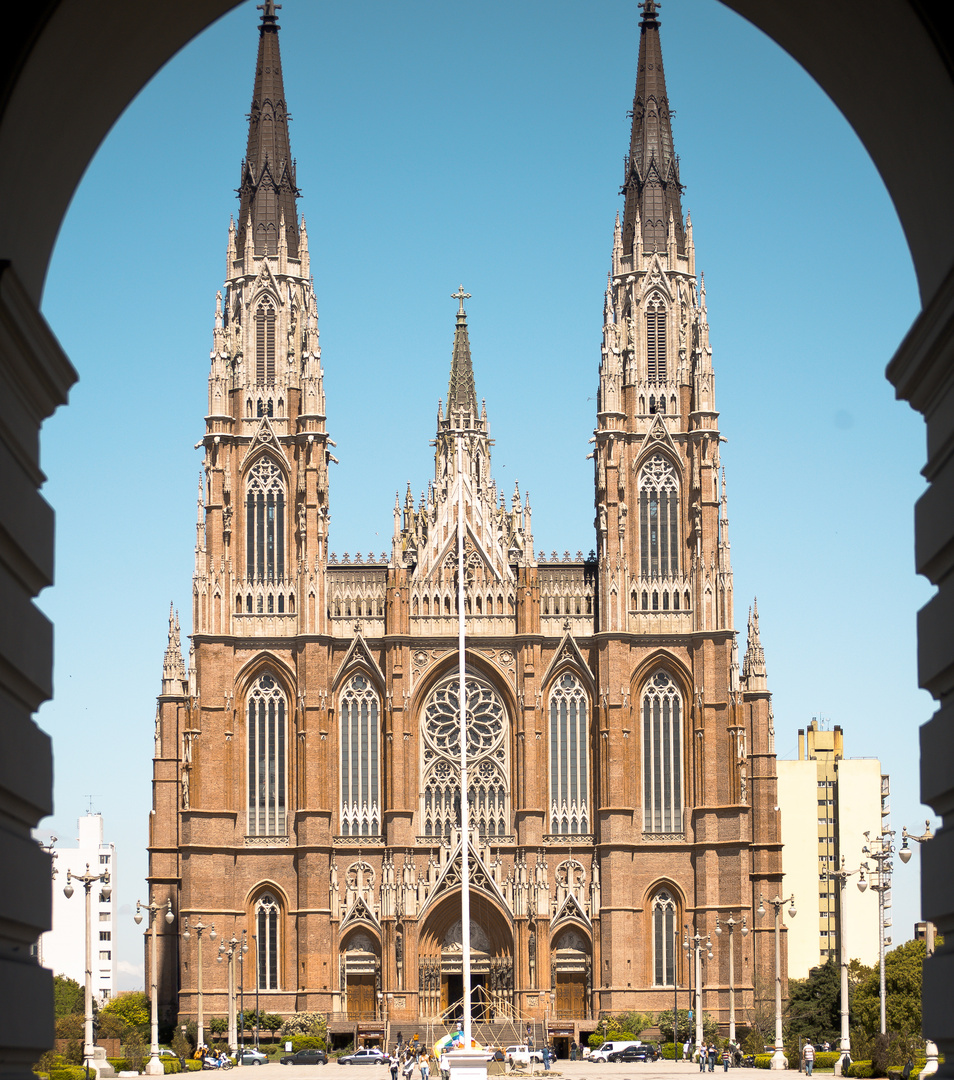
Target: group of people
point(211, 1060)
point(710, 1055)
point(405, 1063)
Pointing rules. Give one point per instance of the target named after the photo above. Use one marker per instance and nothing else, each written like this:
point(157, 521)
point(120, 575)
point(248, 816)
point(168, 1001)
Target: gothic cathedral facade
point(622, 764)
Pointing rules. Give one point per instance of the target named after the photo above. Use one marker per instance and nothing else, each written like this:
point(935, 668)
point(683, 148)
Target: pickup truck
point(522, 1055)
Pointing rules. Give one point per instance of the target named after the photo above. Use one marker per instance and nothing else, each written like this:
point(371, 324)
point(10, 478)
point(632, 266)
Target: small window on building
point(105, 935)
point(105, 954)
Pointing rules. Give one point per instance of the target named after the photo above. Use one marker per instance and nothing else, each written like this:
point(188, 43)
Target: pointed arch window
point(656, 366)
point(267, 942)
point(569, 757)
point(265, 342)
point(662, 755)
point(265, 522)
point(360, 756)
point(266, 758)
point(658, 518)
point(664, 944)
point(488, 763)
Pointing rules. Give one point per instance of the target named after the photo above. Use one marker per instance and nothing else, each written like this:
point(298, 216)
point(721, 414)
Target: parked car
point(310, 1056)
point(643, 1052)
point(251, 1056)
point(368, 1055)
point(614, 1046)
point(522, 1055)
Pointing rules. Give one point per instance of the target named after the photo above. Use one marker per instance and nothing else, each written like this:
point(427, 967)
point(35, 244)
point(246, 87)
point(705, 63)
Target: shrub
point(135, 1049)
point(825, 1059)
point(306, 1042)
point(763, 1061)
point(68, 1072)
point(170, 1065)
point(861, 1070)
point(119, 1064)
point(193, 1066)
point(669, 1052)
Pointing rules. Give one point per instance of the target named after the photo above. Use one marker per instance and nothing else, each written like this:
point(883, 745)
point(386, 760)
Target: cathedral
point(621, 759)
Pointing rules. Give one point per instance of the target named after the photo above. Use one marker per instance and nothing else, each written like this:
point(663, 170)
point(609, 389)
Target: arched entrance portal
point(442, 961)
point(360, 975)
point(572, 973)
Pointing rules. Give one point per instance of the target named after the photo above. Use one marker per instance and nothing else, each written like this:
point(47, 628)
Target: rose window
point(487, 760)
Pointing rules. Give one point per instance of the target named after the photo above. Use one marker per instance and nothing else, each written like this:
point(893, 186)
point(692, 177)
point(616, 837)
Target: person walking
point(702, 1057)
point(425, 1066)
point(726, 1058)
point(808, 1056)
point(393, 1066)
point(712, 1057)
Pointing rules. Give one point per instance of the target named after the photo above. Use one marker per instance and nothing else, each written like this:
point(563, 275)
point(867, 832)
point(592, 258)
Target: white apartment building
point(63, 949)
point(826, 803)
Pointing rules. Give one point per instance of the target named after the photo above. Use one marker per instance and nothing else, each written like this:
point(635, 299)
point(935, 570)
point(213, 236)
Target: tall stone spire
point(173, 669)
point(268, 188)
point(753, 666)
point(461, 391)
point(652, 187)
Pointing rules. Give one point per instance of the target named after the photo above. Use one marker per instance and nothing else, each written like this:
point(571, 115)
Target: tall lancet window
point(488, 761)
point(265, 522)
point(360, 806)
point(267, 940)
point(662, 755)
point(658, 518)
point(569, 744)
point(265, 342)
point(664, 947)
point(266, 758)
point(656, 339)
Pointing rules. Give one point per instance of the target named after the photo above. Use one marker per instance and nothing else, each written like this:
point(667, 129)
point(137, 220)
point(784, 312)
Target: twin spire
point(651, 184)
point(268, 190)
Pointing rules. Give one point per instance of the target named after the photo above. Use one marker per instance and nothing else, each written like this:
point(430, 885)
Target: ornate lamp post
point(779, 1061)
point(154, 1066)
point(199, 928)
point(930, 1047)
point(880, 848)
point(87, 880)
point(841, 876)
point(697, 942)
point(731, 923)
point(227, 952)
point(241, 960)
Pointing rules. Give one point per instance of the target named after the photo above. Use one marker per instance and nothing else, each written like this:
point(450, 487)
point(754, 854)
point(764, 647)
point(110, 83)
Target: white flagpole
point(462, 698)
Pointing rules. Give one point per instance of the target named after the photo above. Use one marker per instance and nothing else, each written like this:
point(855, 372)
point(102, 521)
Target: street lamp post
point(779, 1061)
point(697, 943)
point(154, 1066)
point(87, 880)
point(841, 876)
point(731, 924)
point(227, 951)
point(257, 980)
point(930, 1047)
point(199, 928)
point(880, 848)
point(241, 960)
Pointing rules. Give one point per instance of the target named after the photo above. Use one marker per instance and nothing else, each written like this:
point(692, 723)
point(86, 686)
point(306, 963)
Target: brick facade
point(307, 675)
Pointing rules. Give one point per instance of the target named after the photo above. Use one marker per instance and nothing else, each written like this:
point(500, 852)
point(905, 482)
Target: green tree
point(685, 1028)
point(67, 996)
point(902, 978)
point(271, 1022)
point(814, 1004)
point(132, 1007)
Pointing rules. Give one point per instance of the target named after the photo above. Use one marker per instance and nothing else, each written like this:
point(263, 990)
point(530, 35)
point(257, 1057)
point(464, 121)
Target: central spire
point(268, 189)
point(652, 187)
point(461, 391)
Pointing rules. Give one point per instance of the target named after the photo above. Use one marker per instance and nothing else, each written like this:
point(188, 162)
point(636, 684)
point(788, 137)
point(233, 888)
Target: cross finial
point(461, 296)
point(268, 9)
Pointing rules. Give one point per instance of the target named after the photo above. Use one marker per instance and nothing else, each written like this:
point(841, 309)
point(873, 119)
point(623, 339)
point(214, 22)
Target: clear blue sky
point(483, 144)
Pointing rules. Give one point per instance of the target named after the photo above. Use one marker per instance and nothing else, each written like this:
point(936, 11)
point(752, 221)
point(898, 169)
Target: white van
point(611, 1048)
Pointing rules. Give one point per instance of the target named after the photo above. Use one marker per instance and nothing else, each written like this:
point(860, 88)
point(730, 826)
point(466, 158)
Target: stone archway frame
point(74, 65)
